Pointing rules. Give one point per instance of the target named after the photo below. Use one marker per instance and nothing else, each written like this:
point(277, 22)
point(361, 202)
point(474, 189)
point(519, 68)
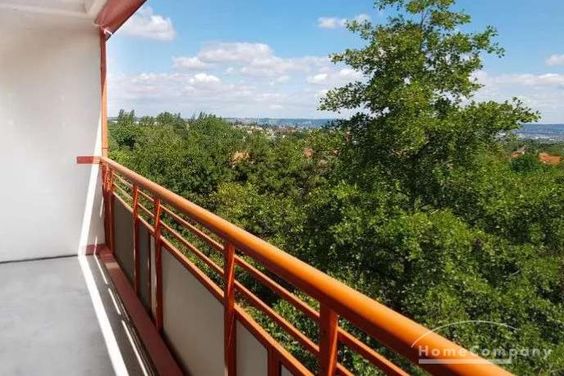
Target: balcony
point(103, 271)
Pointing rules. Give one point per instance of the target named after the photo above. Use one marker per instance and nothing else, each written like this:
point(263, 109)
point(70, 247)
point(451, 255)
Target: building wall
point(49, 115)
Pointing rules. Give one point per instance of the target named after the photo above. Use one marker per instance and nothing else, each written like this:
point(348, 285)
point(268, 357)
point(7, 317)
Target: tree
point(125, 133)
point(414, 121)
point(174, 120)
point(422, 212)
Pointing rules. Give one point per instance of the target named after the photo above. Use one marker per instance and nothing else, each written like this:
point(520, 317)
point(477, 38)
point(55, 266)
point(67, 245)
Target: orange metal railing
point(169, 217)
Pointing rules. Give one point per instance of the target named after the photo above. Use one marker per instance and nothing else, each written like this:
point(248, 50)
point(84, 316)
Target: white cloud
point(250, 79)
point(533, 80)
point(280, 80)
point(235, 52)
point(232, 79)
point(205, 79)
point(339, 23)
point(318, 78)
point(146, 24)
point(151, 93)
point(190, 63)
point(330, 77)
point(363, 18)
point(555, 60)
point(350, 74)
point(254, 59)
point(542, 92)
point(331, 22)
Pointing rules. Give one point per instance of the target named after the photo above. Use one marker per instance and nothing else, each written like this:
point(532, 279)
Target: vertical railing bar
point(274, 366)
point(230, 325)
point(150, 276)
point(136, 251)
point(110, 208)
point(158, 265)
point(328, 341)
point(105, 195)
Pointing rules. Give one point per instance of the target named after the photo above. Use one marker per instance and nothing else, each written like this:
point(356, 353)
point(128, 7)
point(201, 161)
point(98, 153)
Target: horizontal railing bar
point(370, 354)
point(123, 191)
point(341, 370)
point(351, 341)
point(130, 208)
point(147, 225)
point(193, 249)
point(281, 291)
point(192, 268)
point(147, 211)
point(304, 340)
point(388, 327)
point(125, 204)
point(288, 360)
point(123, 181)
point(190, 227)
point(289, 328)
point(146, 196)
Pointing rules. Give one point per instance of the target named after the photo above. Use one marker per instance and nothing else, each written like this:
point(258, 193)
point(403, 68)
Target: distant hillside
point(552, 132)
point(547, 132)
point(299, 123)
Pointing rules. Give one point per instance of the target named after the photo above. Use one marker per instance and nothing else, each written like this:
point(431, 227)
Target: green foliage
point(414, 200)
point(490, 239)
point(527, 163)
point(418, 71)
point(429, 216)
point(191, 158)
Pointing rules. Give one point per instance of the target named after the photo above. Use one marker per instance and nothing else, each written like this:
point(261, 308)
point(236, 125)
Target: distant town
point(288, 123)
point(544, 132)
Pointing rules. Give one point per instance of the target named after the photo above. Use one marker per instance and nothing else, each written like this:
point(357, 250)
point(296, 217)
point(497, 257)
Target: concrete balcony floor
point(49, 324)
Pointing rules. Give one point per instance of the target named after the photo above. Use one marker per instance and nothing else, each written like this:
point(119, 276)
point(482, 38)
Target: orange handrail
point(390, 328)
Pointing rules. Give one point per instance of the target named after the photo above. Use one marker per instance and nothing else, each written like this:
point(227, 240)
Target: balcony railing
point(199, 278)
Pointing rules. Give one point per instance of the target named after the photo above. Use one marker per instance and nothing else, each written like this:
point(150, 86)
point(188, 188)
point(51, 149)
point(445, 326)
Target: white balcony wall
point(49, 115)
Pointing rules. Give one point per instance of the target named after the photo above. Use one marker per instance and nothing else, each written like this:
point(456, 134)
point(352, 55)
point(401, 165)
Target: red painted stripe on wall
point(87, 159)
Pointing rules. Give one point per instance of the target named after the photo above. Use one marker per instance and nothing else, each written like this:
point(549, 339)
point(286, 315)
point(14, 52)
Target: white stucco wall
point(49, 115)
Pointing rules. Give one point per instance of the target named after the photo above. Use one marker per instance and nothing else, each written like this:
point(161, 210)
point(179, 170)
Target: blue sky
point(262, 58)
